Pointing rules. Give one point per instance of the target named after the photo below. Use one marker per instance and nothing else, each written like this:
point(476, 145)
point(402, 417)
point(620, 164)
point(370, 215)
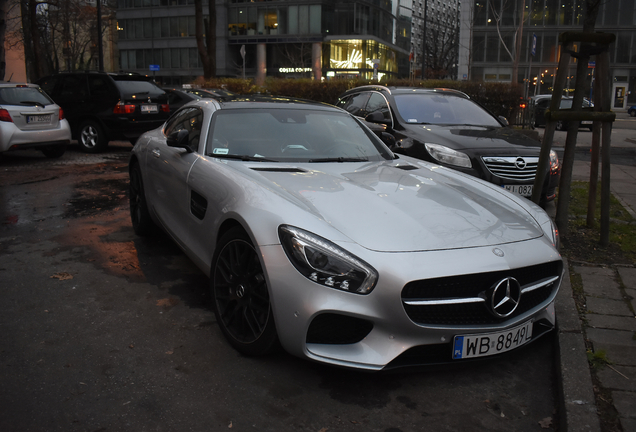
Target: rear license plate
point(487, 344)
point(149, 109)
point(523, 190)
point(39, 118)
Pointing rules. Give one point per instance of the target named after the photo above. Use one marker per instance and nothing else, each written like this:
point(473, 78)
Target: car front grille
point(463, 300)
point(512, 168)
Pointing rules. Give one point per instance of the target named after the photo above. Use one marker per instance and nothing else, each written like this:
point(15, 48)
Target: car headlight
point(554, 161)
point(448, 155)
point(326, 263)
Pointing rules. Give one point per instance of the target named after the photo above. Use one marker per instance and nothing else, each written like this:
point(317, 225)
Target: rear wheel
point(53, 151)
point(240, 295)
point(632, 113)
point(91, 137)
point(139, 215)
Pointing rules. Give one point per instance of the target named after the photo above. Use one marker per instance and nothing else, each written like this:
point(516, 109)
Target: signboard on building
point(154, 67)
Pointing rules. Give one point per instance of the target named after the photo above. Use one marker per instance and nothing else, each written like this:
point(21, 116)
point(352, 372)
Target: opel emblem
point(504, 297)
point(498, 252)
point(520, 163)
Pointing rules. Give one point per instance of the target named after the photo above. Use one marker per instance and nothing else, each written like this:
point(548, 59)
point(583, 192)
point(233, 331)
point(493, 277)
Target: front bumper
point(386, 336)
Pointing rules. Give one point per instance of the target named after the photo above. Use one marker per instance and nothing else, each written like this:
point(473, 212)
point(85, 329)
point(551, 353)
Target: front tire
point(139, 214)
point(92, 138)
point(240, 295)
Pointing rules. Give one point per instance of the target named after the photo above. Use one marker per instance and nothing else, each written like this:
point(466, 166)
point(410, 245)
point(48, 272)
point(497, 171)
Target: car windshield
point(442, 109)
point(292, 135)
point(28, 96)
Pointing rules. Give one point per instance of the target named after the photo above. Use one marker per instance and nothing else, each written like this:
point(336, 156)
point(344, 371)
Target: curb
point(577, 403)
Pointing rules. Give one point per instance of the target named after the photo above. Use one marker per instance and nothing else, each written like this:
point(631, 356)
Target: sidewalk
point(609, 322)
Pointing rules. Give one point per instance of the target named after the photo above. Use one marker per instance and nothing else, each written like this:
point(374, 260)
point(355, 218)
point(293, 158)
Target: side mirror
point(504, 120)
point(179, 139)
point(375, 117)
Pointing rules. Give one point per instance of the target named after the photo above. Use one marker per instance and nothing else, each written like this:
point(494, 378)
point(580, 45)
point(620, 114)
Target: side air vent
point(198, 205)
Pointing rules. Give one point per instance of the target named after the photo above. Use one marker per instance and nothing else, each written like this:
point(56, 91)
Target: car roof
point(272, 102)
point(406, 90)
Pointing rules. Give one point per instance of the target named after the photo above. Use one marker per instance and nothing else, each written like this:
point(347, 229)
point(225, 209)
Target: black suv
point(446, 127)
point(101, 106)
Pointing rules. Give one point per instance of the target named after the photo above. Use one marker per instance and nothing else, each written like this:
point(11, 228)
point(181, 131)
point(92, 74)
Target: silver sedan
point(317, 237)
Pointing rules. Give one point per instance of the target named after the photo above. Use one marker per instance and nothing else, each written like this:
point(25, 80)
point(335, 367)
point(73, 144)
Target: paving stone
point(607, 306)
point(612, 379)
point(568, 318)
point(619, 345)
point(599, 282)
point(611, 322)
point(628, 276)
point(629, 425)
point(625, 403)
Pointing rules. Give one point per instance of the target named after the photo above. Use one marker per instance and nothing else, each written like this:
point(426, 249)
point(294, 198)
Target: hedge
point(500, 98)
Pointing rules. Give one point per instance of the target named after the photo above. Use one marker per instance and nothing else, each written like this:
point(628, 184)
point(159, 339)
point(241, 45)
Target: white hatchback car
point(29, 118)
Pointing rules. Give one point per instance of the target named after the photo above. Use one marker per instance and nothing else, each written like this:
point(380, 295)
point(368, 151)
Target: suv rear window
point(23, 96)
point(138, 88)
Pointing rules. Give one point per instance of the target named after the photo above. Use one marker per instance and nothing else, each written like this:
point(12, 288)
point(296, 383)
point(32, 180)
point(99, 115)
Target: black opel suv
point(102, 107)
point(446, 127)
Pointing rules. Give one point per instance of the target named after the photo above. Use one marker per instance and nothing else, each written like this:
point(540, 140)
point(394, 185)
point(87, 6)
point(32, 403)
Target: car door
point(71, 95)
point(354, 104)
point(168, 173)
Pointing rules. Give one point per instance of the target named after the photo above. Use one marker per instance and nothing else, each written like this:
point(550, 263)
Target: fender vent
point(198, 205)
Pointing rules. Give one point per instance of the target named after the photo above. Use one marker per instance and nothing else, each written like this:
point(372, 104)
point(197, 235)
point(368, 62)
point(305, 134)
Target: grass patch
point(597, 359)
point(582, 242)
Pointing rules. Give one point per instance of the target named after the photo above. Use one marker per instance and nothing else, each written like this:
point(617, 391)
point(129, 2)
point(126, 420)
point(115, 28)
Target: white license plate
point(586, 122)
point(523, 190)
point(149, 109)
point(486, 344)
point(39, 118)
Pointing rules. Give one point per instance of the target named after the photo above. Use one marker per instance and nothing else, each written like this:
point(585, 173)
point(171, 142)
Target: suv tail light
point(165, 108)
point(61, 114)
point(122, 108)
point(5, 116)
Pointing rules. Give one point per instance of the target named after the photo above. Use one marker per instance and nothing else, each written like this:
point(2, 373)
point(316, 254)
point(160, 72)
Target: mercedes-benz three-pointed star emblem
point(505, 297)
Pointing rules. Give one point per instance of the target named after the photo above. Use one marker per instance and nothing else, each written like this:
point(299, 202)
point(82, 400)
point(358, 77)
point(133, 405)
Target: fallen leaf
point(546, 423)
point(62, 276)
point(131, 346)
point(230, 425)
point(167, 302)
point(169, 352)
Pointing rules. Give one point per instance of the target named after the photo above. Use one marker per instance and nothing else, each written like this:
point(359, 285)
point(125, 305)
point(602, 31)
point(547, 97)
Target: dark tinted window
point(99, 85)
point(141, 89)
point(190, 119)
point(73, 87)
point(48, 84)
point(378, 103)
point(354, 103)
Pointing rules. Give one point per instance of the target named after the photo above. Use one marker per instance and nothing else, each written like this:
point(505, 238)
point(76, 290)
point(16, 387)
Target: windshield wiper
point(33, 103)
point(245, 158)
point(341, 159)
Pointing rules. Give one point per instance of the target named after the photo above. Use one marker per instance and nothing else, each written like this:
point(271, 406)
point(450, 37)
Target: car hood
point(477, 139)
point(404, 205)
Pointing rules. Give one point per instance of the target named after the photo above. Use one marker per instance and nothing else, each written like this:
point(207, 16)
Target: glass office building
point(485, 56)
point(319, 39)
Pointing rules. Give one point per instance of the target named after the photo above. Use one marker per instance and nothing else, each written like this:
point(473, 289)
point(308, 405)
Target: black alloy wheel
point(139, 214)
point(241, 296)
point(91, 137)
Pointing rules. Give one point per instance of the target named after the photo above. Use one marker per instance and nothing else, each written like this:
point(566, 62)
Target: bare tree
point(206, 37)
point(442, 43)
point(514, 50)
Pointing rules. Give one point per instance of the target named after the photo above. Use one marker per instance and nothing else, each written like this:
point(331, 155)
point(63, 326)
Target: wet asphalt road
point(103, 331)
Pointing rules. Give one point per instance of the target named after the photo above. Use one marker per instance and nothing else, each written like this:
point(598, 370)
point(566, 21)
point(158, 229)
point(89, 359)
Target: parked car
point(316, 235)
point(542, 103)
point(178, 97)
point(212, 93)
point(632, 111)
point(446, 127)
point(102, 107)
point(30, 119)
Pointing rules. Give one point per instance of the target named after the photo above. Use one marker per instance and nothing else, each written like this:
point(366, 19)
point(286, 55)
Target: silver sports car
point(315, 235)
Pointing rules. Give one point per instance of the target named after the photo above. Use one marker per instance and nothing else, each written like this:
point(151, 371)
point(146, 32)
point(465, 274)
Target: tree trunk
point(3, 30)
point(207, 47)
